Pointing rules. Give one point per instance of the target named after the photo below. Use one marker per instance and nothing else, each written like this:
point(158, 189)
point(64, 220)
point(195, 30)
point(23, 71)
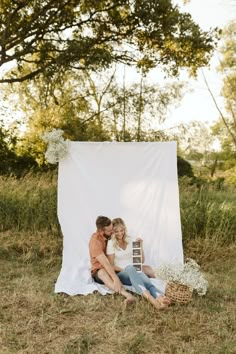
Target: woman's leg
point(149, 286)
point(143, 285)
point(129, 276)
point(148, 271)
point(153, 290)
point(139, 280)
point(158, 303)
point(124, 277)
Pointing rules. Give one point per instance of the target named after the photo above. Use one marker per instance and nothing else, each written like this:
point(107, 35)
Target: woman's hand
point(141, 244)
point(139, 239)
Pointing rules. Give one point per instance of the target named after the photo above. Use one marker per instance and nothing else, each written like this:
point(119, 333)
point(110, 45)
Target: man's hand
point(117, 285)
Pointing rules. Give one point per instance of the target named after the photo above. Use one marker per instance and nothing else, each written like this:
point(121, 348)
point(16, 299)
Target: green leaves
point(59, 34)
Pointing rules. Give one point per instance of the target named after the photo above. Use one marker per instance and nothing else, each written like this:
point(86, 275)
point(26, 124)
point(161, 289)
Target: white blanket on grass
point(135, 181)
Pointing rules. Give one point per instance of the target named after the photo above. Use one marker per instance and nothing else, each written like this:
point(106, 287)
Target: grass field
point(33, 319)
point(36, 320)
point(30, 204)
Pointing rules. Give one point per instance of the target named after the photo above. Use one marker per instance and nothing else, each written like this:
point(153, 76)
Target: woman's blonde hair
point(115, 223)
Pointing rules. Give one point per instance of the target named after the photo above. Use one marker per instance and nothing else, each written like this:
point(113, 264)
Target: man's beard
point(108, 237)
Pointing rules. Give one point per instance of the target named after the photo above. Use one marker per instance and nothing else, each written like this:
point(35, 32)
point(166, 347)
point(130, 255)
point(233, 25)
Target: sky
point(198, 104)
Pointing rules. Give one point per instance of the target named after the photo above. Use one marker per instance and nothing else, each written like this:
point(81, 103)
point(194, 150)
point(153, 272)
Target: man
point(101, 269)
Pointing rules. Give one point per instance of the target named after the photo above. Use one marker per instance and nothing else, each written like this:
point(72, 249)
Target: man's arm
point(111, 258)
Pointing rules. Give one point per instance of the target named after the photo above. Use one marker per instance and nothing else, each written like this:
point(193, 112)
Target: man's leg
point(97, 279)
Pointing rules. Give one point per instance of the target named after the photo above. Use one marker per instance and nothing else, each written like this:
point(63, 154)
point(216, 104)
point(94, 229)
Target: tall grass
point(30, 204)
point(208, 213)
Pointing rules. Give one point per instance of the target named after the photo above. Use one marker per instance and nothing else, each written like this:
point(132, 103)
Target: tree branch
point(218, 109)
point(22, 78)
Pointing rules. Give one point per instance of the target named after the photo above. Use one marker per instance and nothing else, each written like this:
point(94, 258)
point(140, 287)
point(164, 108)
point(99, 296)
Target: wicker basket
point(179, 293)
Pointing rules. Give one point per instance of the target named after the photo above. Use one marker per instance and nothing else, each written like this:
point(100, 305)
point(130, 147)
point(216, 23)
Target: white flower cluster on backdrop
point(187, 274)
point(57, 146)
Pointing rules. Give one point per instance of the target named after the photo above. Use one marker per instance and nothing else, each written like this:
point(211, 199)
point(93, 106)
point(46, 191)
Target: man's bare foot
point(129, 300)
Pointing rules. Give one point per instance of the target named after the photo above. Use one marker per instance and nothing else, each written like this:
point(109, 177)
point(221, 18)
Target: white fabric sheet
point(135, 181)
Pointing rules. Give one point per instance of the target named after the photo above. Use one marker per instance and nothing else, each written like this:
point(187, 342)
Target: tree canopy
point(228, 69)
point(50, 35)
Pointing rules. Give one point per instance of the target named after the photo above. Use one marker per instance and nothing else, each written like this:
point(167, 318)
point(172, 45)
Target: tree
point(196, 144)
point(10, 162)
point(146, 105)
point(6, 154)
point(195, 137)
point(227, 154)
point(228, 69)
point(56, 35)
point(89, 106)
point(184, 168)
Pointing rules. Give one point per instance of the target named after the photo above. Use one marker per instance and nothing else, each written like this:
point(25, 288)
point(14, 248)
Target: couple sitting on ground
point(111, 263)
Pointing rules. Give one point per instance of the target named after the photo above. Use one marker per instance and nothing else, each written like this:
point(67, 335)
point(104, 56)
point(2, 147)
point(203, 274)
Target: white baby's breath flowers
point(57, 146)
point(187, 274)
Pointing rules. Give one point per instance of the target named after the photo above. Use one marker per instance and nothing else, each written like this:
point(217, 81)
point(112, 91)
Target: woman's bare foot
point(157, 303)
point(160, 304)
point(164, 299)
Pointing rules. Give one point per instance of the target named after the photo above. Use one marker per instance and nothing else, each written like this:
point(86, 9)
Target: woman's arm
point(146, 268)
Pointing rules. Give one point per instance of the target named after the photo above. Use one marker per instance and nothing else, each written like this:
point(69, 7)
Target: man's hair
point(102, 221)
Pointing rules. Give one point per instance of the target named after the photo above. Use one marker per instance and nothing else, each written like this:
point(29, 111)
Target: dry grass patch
point(35, 320)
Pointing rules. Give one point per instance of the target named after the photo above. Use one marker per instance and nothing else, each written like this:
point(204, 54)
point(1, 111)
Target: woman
point(119, 253)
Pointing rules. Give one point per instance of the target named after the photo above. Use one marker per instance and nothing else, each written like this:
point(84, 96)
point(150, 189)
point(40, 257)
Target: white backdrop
point(135, 181)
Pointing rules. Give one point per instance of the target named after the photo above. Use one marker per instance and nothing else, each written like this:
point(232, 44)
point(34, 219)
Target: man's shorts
point(96, 277)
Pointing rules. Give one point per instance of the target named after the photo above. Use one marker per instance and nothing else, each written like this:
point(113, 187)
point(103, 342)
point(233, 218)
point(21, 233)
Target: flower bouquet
point(182, 280)
point(57, 145)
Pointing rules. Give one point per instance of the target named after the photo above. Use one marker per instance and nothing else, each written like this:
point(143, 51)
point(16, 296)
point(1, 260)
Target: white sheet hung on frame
point(135, 181)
